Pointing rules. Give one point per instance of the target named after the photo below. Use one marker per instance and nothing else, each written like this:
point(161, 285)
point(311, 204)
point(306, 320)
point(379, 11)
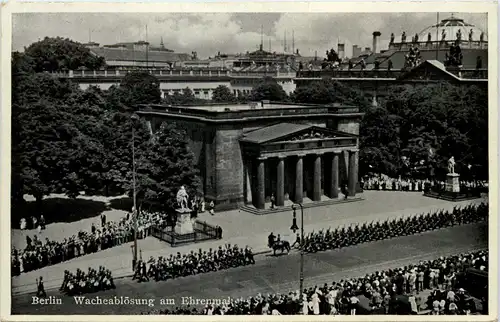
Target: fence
point(202, 231)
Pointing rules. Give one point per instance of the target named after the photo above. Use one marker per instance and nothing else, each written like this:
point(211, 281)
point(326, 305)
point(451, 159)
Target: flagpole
point(437, 37)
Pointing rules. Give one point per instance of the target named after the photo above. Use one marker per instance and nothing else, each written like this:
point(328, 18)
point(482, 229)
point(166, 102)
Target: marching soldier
point(40, 288)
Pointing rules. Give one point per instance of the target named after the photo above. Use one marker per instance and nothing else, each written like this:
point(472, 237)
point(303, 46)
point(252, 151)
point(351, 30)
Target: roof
point(398, 57)
point(451, 26)
point(435, 64)
point(136, 55)
point(273, 132)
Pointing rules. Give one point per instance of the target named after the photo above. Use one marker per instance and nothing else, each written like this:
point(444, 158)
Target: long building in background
point(373, 70)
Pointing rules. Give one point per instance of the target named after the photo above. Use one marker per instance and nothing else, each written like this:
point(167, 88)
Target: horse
point(281, 245)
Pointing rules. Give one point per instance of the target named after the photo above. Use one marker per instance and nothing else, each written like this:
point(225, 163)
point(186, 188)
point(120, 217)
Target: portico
point(297, 161)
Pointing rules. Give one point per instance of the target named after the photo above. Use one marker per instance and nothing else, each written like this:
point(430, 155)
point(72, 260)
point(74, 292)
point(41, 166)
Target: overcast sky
point(208, 33)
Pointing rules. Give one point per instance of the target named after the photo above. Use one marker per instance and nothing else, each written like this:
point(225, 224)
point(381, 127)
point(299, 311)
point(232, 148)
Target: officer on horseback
point(270, 240)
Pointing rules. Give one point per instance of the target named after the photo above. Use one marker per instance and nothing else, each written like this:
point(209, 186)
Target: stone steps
point(255, 211)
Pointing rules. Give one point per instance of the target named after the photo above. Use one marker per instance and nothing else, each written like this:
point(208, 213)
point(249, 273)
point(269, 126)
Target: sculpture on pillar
point(392, 38)
point(403, 37)
point(451, 165)
point(182, 198)
point(184, 223)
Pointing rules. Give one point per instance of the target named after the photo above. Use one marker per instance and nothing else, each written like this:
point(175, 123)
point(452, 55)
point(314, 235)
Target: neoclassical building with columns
point(249, 153)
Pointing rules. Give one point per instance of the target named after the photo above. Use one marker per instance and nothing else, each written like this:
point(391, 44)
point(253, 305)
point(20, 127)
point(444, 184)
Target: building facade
point(247, 153)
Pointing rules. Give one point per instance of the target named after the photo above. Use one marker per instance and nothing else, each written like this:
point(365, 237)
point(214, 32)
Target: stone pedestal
point(453, 182)
point(184, 224)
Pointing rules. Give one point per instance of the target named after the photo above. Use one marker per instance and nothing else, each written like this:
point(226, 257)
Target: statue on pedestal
point(184, 223)
point(182, 198)
point(451, 165)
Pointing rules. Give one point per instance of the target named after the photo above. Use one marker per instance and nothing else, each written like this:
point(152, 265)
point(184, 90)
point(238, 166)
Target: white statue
point(451, 165)
point(182, 198)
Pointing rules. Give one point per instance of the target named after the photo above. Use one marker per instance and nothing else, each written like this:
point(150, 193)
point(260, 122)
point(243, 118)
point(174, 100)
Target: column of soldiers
point(345, 237)
point(165, 268)
point(82, 283)
point(382, 290)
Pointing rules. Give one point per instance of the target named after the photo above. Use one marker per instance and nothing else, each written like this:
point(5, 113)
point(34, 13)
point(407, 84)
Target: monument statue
point(182, 198)
point(184, 223)
point(451, 165)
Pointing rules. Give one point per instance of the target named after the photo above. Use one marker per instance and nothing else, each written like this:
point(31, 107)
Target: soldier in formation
point(178, 265)
point(82, 283)
point(345, 237)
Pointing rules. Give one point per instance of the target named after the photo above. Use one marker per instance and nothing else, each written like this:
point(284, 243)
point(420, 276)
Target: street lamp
point(295, 228)
point(134, 118)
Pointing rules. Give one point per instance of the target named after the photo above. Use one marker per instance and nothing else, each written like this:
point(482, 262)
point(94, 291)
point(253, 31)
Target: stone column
point(299, 182)
point(261, 184)
point(334, 177)
point(353, 172)
point(248, 184)
point(280, 182)
point(317, 178)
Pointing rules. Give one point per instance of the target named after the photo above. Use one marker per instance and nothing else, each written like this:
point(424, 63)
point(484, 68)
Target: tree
point(56, 133)
point(223, 94)
point(59, 54)
point(268, 89)
point(164, 164)
point(139, 88)
point(21, 63)
point(328, 91)
point(426, 125)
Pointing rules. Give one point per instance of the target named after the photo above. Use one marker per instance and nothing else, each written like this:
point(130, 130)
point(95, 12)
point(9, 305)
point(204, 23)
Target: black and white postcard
point(304, 159)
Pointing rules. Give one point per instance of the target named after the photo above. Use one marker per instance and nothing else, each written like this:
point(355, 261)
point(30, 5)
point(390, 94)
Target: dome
point(451, 26)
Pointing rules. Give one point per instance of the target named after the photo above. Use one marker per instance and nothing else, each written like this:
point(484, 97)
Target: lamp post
point(134, 118)
point(294, 228)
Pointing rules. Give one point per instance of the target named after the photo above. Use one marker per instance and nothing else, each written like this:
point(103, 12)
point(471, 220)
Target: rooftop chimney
point(356, 51)
point(341, 50)
point(376, 34)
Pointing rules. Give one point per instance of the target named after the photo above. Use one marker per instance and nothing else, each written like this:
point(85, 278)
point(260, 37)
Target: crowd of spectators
point(39, 253)
point(418, 185)
point(412, 289)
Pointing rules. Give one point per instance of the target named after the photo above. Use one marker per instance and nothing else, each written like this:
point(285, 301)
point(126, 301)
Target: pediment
point(313, 133)
point(288, 132)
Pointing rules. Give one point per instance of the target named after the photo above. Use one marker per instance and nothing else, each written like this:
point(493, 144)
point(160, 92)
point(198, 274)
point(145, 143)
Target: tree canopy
point(164, 164)
point(268, 89)
point(417, 129)
point(59, 54)
point(67, 140)
point(223, 94)
point(328, 91)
